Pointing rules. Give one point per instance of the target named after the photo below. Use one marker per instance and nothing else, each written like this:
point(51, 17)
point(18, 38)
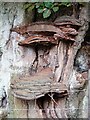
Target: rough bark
point(30, 61)
point(61, 61)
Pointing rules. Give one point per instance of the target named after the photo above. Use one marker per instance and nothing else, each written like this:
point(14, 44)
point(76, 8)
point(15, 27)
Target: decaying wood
point(65, 37)
point(31, 93)
point(60, 29)
point(61, 57)
point(68, 30)
point(37, 27)
point(67, 20)
point(36, 86)
point(38, 39)
point(47, 26)
point(37, 77)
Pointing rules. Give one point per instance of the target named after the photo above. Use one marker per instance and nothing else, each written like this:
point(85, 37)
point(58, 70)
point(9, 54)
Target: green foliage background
point(47, 8)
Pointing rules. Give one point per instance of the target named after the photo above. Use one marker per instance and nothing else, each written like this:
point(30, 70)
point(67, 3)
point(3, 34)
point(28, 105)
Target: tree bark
point(61, 59)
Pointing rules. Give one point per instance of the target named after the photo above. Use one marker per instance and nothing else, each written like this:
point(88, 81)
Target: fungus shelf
point(63, 28)
point(37, 86)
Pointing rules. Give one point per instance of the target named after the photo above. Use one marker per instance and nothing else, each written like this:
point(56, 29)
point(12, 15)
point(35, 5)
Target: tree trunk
point(69, 64)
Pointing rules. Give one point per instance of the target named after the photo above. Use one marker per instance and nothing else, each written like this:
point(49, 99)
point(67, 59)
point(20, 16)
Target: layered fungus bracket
point(63, 28)
point(37, 86)
point(42, 83)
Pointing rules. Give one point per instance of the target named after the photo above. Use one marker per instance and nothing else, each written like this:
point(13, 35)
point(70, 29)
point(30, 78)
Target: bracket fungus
point(37, 86)
point(38, 39)
point(63, 28)
point(67, 20)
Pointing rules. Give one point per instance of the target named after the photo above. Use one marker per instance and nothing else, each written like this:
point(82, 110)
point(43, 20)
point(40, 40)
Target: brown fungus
point(67, 20)
point(36, 86)
point(63, 28)
point(38, 39)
